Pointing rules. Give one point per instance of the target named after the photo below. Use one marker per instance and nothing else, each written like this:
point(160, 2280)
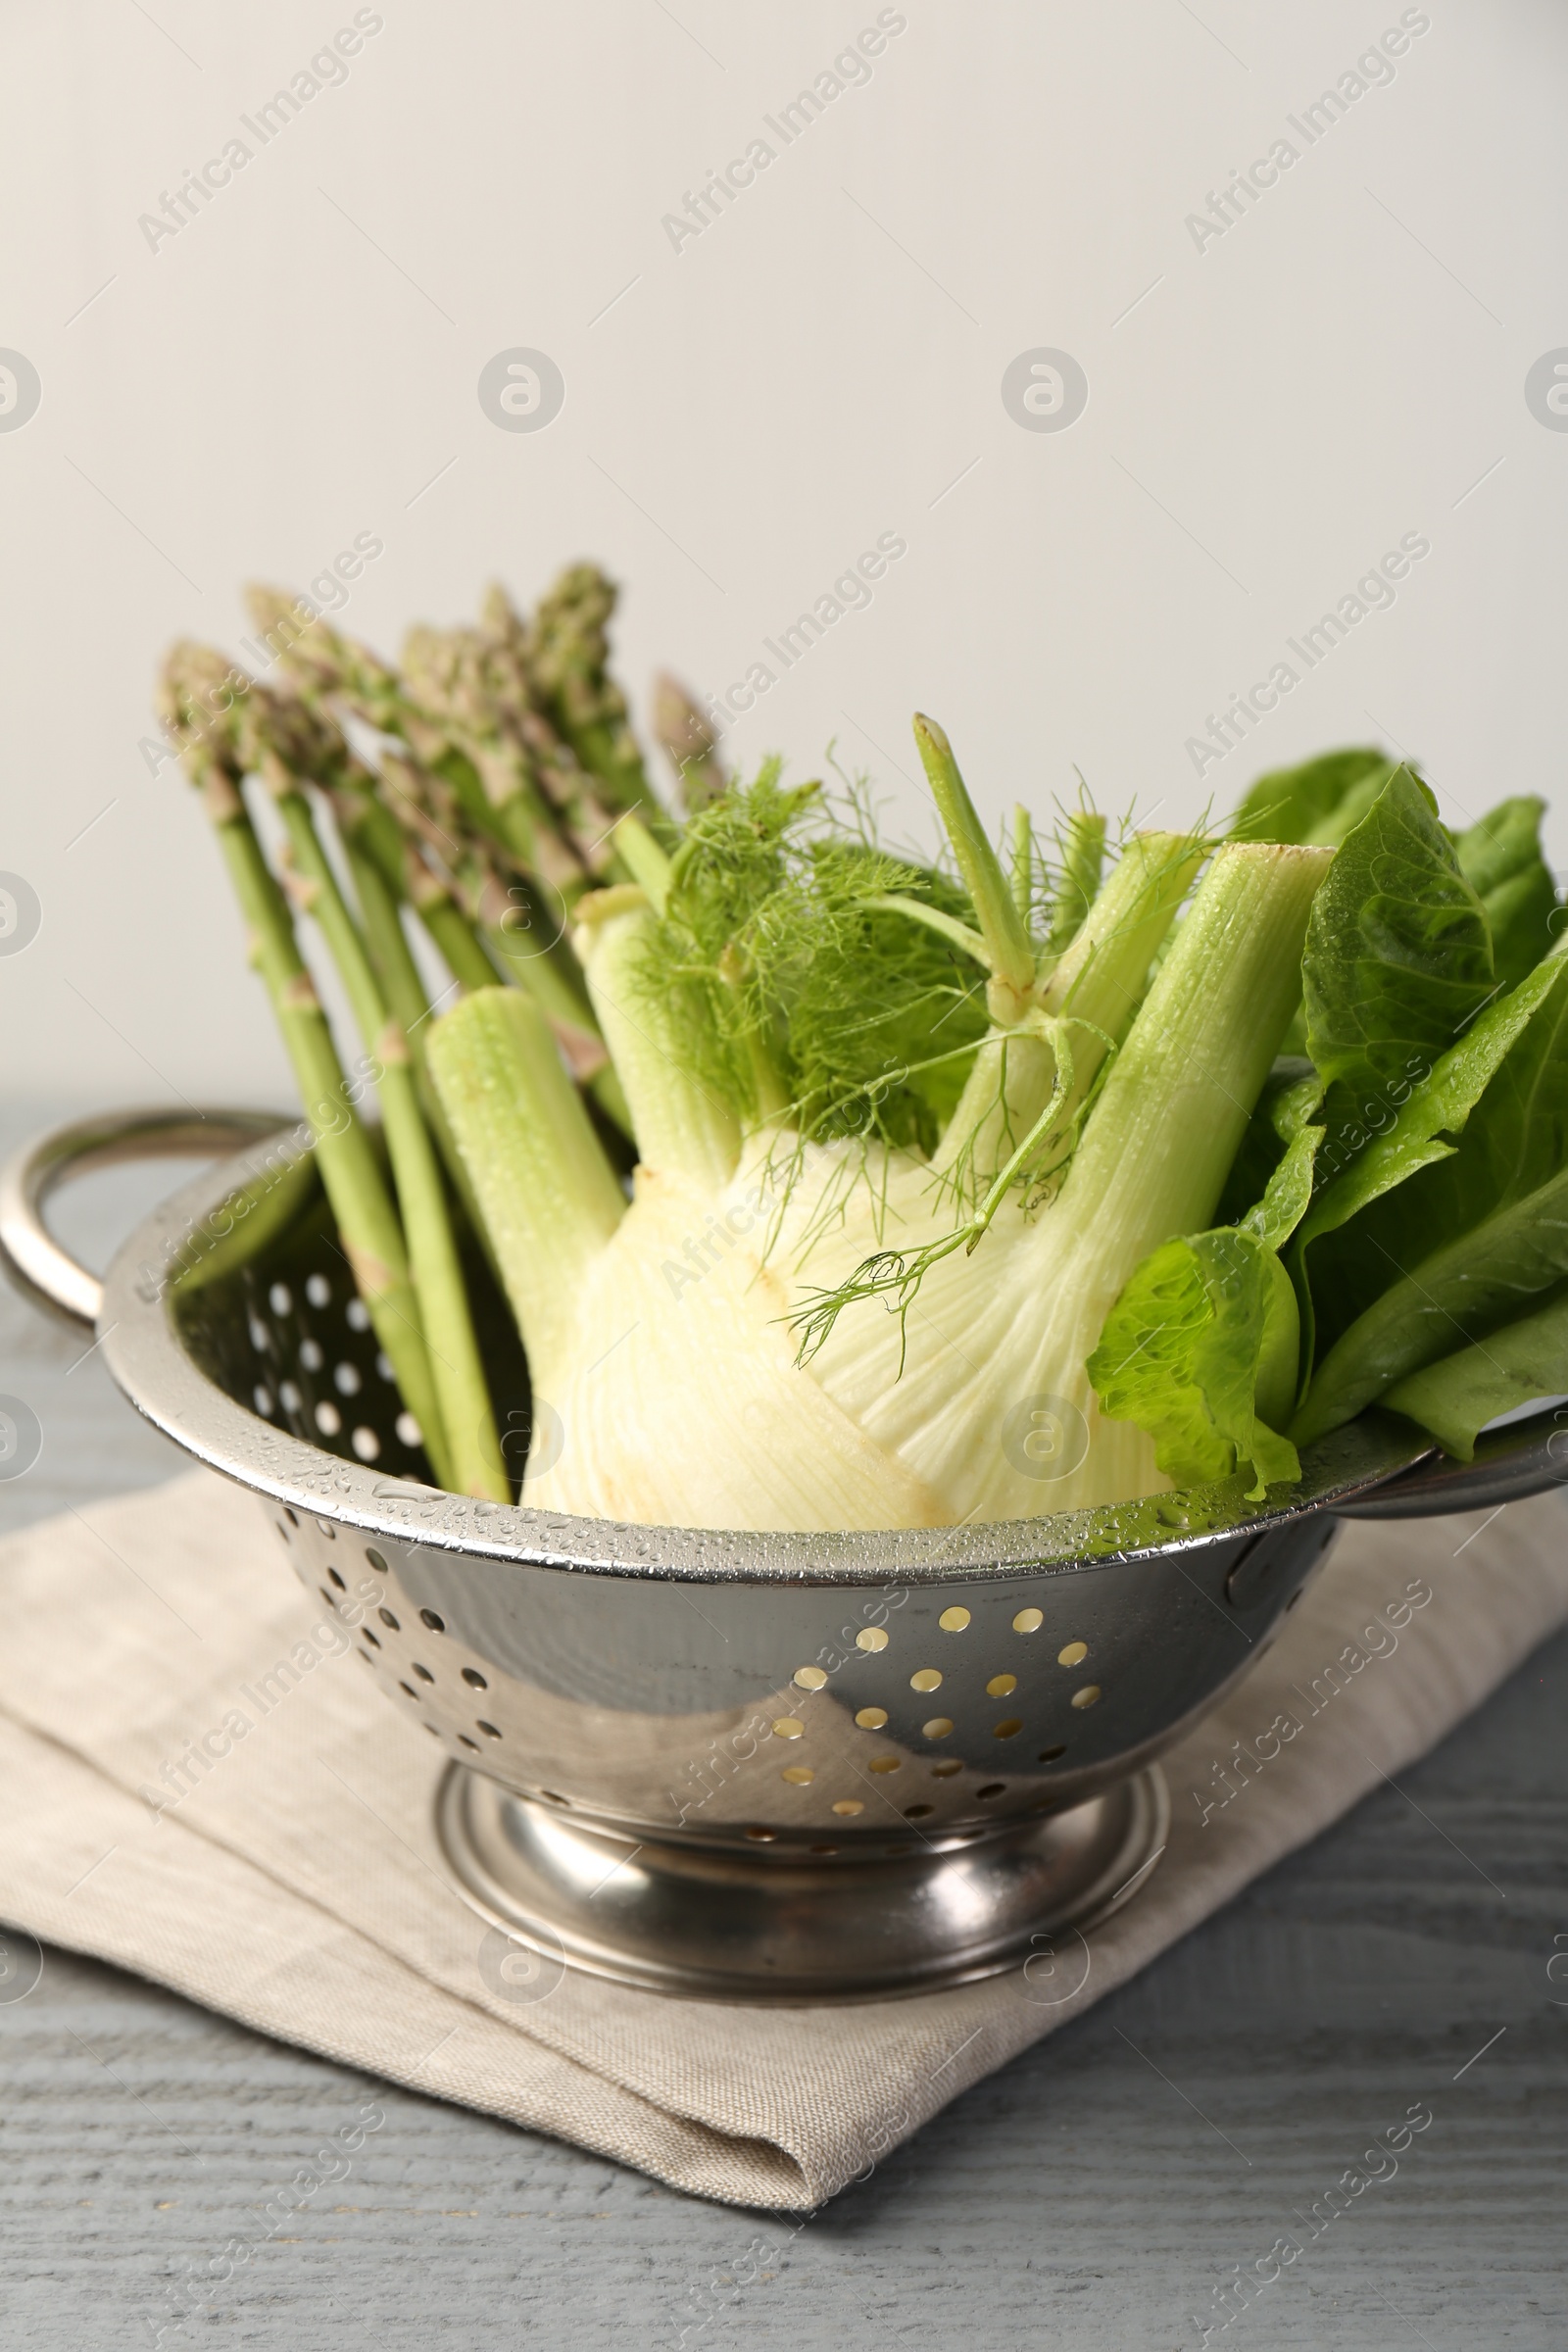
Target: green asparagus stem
point(389, 870)
point(568, 788)
point(400, 979)
point(391, 956)
point(516, 928)
point(446, 675)
point(366, 1220)
point(462, 1442)
point(446, 672)
point(569, 661)
point(489, 792)
point(451, 931)
point(328, 670)
point(689, 744)
point(469, 795)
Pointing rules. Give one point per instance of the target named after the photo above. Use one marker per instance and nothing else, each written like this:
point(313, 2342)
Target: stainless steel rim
point(38, 1265)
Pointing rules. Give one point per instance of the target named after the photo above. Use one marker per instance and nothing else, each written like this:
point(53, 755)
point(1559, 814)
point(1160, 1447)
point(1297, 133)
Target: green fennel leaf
point(789, 966)
point(1082, 846)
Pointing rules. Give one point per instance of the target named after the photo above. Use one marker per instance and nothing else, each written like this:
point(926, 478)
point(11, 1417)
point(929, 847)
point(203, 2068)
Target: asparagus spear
point(282, 743)
point(521, 926)
point(380, 908)
point(332, 672)
point(568, 660)
point(445, 674)
point(366, 1220)
point(386, 867)
point(465, 795)
point(568, 788)
point(321, 664)
point(463, 792)
point(373, 838)
point(689, 744)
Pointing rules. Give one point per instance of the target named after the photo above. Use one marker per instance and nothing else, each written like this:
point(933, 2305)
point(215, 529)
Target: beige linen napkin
point(298, 1888)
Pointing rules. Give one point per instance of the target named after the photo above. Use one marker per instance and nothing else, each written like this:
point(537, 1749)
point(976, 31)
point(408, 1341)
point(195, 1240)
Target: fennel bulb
point(668, 1336)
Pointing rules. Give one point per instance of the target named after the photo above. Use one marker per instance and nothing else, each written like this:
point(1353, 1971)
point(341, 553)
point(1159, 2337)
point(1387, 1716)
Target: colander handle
point(38, 1265)
point(1525, 1458)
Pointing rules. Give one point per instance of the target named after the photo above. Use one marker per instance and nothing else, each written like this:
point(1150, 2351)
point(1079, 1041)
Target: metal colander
point(757, 1766)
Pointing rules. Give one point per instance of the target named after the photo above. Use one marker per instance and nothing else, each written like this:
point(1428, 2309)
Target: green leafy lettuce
point(1200, 1350)
point(1455, 1397)
point(1317, 803)
point(1501, 858)
point(1413, 1170)
point(1430, 1241)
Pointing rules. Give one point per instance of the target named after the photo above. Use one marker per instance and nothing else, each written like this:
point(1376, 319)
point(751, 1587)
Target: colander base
point(717, 1926)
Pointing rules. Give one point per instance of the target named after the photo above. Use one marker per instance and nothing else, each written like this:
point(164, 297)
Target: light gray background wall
point(1266, 416)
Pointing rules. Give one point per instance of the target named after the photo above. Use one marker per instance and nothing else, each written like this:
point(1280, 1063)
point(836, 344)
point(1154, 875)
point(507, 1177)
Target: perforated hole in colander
point(313, 1351)
point(285, 1334)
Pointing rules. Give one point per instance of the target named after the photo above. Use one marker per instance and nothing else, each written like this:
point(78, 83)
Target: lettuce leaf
point(1501, 858)
point(1460, 1292)
point(1201, 1350)
point(1524, 1361)
point(1478, 1222)
point(1398, 955)
point(1431, 1103)
point(1419, 1159)
point(1288, 1194)
point(1291, 1095)
point(1398, 966)
point(1317, 802)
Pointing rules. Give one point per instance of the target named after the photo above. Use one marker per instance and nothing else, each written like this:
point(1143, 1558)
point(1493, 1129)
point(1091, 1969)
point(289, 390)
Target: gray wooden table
point(1094, 2194)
